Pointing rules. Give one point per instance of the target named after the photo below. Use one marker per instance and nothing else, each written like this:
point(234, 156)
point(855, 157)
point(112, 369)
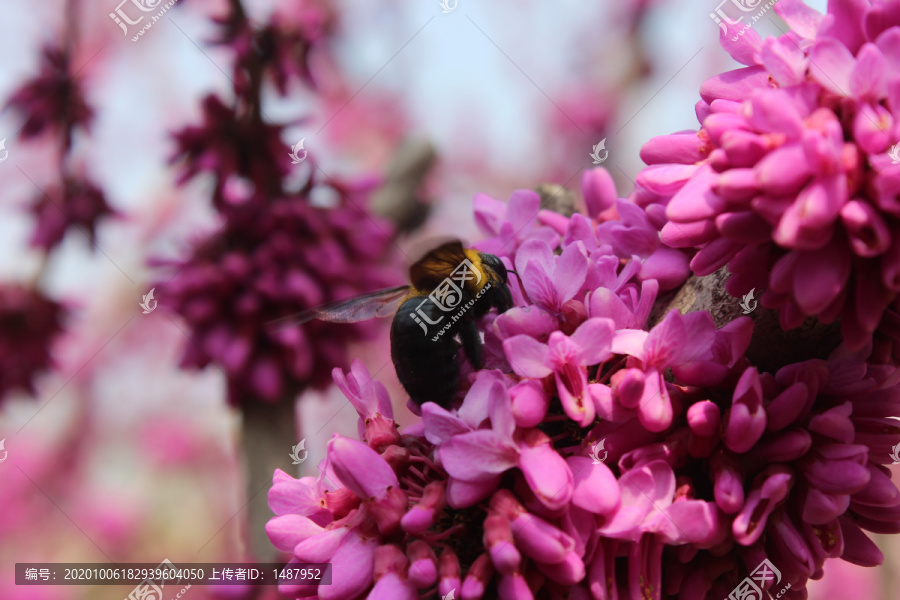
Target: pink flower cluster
point(791, 181)
point(595, 458)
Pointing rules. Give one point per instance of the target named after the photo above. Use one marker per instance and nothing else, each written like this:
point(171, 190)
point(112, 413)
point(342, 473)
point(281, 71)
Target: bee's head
point(492, 263)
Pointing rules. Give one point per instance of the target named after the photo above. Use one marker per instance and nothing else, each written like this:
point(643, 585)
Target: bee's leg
point(471, 342)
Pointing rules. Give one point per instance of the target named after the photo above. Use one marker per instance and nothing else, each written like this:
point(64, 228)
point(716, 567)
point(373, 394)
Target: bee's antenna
point(513, 272)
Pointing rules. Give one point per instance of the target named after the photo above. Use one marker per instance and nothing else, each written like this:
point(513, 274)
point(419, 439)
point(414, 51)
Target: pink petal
point(820, 276)
point(360, 468)
point(830, 63)
point(594, 338)
point(478, 455)
point(801, 18)
point(527, 356)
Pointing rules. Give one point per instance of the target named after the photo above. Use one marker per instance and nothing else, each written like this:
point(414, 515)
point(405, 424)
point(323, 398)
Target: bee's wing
point(360, 308)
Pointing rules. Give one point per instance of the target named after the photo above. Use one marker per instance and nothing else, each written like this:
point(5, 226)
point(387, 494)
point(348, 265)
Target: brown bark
point(771, 347)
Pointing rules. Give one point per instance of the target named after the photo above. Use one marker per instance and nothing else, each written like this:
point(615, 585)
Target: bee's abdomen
point(426, 365)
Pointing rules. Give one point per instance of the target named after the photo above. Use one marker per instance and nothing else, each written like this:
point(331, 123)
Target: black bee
point(450, 287)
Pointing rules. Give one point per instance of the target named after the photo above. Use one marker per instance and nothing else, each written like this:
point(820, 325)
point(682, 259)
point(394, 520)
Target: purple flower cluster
point(595, 458)
point(54, 107)
point(284, 245)
point(29, 325)
point(791, 180)
point(289, 257)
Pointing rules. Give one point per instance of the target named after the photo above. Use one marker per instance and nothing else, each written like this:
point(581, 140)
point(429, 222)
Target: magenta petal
point(830, 63)
point(630, 341)
point(322, 547)
point(391, 587)
point(287, 531)
point(360, 468)
point(728, 487)
point(514, 587)
point(294, 496)
point(595, 487)
point(801, 18)
point(868, 80)
point(529, 403)
point(594, 338)
point(540, 540)
point(783, 171)
point(599, 191)
point(750, 523)
point(670, 267)
point(858, 548)
point(355, 559)
point(704, 418)
point(684, 147)
point(869, 234)
point(540, 287)
point(747, 44)
point(569, 273)
point(643, 490)
point(522, 208)
point(604, 303)
point(526, 320)
point(820, 276)
point(489, 213)
point(462, 494)
point(773, 112)
point(747, 419)
point(527, 356)
point(664, 344)
point(440, 424)
point(734, 85)
point(696, 200)
point(478, 455)
point(820, 508)
point(807, 224)
point(579, 229)
point(655, 410)
point(686, 235)
point(535, 251)
point(664, 180)
point(714, 256)
point(547, 474)
point(784, 60)
point(695, 521)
